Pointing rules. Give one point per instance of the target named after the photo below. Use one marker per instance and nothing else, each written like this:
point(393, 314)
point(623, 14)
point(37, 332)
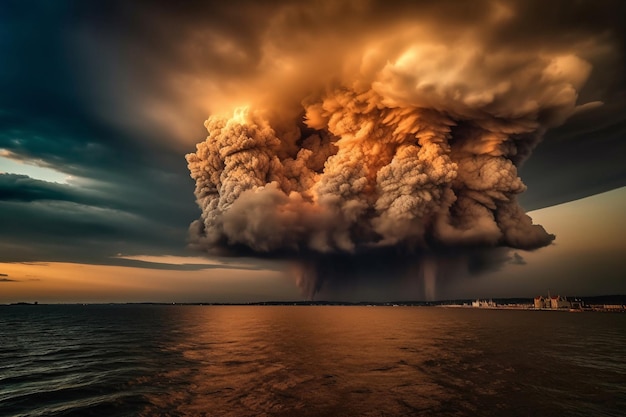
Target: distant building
point(540, 302)
point(483, 304)
point(559, 302)
point(552, 302)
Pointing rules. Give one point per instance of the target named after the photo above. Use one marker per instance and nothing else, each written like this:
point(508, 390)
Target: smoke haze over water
point(366, 142)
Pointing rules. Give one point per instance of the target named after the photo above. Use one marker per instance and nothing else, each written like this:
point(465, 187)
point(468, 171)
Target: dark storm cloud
point(67, 231)
point(414, 125)
point(123, 196)
point(194, 58)
point(582, 158)
point(123, 175)
point(14, 187)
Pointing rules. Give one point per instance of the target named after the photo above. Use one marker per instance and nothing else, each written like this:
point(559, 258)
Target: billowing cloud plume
point(402, 139)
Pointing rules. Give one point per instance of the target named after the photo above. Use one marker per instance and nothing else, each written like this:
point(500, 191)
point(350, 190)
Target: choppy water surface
point(309, 361)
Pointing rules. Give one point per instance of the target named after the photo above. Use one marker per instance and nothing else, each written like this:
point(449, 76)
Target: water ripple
point(308, 361)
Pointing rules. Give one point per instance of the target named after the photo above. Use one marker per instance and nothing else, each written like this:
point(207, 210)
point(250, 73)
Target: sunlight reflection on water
point(309, 361)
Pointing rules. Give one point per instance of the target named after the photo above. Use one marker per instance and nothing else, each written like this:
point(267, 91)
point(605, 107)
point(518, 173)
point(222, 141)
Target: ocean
point(156, 360)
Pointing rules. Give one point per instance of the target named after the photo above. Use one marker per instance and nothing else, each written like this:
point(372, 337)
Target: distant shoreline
point(590, 303)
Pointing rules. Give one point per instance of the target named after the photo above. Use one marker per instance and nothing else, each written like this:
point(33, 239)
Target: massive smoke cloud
point(394, 144)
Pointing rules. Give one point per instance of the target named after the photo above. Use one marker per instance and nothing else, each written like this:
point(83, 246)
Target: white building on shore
point(483, 304)
point(553, 302)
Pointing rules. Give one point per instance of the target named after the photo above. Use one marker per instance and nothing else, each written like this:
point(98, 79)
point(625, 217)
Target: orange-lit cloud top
point(364, 131)
point(196, 61)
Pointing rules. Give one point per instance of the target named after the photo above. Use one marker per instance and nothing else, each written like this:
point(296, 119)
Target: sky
point(102, 103)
